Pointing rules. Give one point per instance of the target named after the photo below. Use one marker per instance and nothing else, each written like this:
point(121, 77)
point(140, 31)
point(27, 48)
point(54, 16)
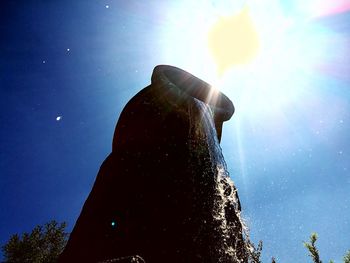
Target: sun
point(233, 40)
point(260, 57)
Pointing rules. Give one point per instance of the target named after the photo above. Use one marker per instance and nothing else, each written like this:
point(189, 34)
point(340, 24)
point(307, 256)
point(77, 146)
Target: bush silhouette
point(43, 244)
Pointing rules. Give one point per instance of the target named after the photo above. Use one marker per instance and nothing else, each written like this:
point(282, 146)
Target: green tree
point(42, 245)
point(313, 251)
point(314, 254)
point(346, 258)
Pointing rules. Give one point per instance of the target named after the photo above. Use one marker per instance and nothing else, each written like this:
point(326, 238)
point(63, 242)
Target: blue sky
point(286, 147)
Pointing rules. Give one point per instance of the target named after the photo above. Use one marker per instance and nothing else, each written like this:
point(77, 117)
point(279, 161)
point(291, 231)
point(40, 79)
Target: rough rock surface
point(130, 259)
point(164, 192)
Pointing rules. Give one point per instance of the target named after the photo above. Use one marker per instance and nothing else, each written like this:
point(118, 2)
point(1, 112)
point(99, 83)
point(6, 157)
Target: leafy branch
point(313, 251)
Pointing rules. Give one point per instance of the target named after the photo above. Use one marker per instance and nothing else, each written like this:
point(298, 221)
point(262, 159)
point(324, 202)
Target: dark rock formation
point(164, 192)
point(130, 259)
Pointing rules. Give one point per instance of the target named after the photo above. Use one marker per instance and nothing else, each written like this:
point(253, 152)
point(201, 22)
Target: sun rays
point(269, 61)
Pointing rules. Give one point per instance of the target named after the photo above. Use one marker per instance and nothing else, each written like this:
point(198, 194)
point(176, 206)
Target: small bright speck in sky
point(68, 49)
point(58, 118)
point(107, 6)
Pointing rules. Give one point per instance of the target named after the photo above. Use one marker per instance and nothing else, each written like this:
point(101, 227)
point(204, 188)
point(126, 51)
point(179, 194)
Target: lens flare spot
point(233, 40)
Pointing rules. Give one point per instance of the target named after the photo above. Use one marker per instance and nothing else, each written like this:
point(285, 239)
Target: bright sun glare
point(233, 40)
point(264, 55)
point(260, 57)
point(255, 54)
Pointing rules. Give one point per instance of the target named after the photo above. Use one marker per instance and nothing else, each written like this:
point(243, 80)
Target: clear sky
point(67, 68)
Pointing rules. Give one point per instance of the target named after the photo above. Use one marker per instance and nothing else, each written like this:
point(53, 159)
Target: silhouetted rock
point(130, 259)
point(164, 192)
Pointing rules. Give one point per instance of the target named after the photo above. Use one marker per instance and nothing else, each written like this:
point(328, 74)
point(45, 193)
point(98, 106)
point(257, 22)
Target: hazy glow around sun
point(264, 59)
point(256, 59)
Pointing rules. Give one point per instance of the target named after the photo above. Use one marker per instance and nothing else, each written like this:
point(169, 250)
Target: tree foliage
point(255, 252)
point(313, 251)
point(346, 258)
point(314, 254)
point(43, 244)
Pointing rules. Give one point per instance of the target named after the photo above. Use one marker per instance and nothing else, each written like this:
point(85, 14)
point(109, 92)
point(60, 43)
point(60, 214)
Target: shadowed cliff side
point(164, 193)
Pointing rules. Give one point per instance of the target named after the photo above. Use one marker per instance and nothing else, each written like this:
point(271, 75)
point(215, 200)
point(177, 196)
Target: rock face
point(164, 193)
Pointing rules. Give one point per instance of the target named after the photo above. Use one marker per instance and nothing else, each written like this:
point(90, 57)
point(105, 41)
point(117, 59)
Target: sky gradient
point(67, 68)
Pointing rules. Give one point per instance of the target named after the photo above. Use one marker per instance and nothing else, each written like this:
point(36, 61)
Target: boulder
point(164, 192)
